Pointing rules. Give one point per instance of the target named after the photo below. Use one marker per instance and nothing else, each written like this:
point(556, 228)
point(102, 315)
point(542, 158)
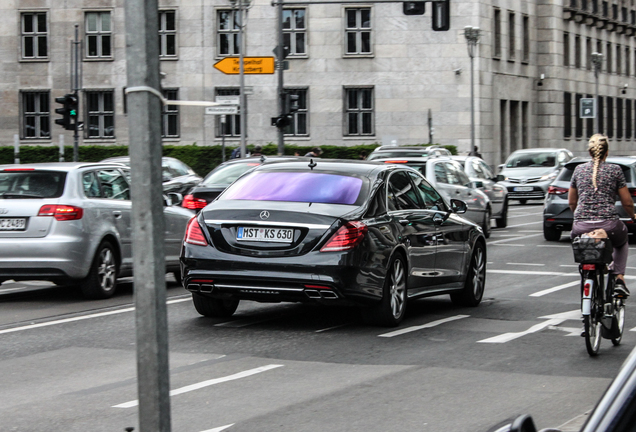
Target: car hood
point(528, 172)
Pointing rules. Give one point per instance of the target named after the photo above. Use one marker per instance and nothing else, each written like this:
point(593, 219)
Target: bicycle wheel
point(592, 323)
point(618, 323)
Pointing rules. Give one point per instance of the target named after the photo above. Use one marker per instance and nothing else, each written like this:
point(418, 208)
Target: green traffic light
point(73, 113)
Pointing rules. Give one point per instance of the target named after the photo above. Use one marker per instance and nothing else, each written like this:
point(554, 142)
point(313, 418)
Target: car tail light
point(396, 161)
point(193, 203)
point(61, 212)
point(318, 287)
point(632, 192)
point(18, 169)
point(194, 234)
point(555, 190)
point(589, 266)
point(347, 237)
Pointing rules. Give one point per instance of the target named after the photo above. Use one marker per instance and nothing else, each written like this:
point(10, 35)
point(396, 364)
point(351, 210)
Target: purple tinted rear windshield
point(296, 187)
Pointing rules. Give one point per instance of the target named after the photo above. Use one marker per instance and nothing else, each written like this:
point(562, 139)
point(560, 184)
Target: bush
point(202, 159)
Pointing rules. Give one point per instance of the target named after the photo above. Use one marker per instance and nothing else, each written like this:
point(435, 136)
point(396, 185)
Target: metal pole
point(222, 137)
point(75, 92)
point(430, 127)
point(61, 148)
point(597, 60)
point(242, 77)
point(144, 111)
point(472, 37)
point(16, 149)
point(280, 58)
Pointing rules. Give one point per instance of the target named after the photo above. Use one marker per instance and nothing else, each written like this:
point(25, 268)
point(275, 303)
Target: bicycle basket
point(592, 250)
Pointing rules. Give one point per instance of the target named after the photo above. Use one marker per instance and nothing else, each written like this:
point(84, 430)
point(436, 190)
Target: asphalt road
point(69, 364)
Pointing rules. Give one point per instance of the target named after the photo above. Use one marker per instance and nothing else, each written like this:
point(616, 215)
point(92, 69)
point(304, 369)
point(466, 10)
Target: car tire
point(390, 311)
point(213, 307)
point(523, 201)
point(475, 283)
point(102, 276)
point(551, 234)
point(485, 225)
point(502, 222)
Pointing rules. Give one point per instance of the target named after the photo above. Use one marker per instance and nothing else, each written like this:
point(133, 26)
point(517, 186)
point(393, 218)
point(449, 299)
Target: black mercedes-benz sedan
point(333, 232)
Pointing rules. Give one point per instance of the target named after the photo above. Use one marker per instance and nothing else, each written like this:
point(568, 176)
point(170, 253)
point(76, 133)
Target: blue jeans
point(617, 233)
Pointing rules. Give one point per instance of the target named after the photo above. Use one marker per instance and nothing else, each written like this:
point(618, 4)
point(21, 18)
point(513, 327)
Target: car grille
point(523, 180)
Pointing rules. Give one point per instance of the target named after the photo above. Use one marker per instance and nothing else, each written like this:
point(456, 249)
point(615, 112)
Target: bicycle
point(603, 312)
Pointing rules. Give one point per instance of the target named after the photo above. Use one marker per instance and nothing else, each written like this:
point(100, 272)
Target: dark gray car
point(557, 216)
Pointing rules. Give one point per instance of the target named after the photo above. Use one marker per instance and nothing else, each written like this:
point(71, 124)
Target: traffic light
point(291, 103)
point(414, 8)
point(68, 111)
point(441, 15)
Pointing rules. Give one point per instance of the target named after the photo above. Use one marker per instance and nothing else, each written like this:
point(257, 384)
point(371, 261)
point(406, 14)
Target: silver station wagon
point(71, 223)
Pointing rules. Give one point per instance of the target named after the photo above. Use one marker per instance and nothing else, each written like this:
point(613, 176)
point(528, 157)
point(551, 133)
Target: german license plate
point(279, 235)
point(12, 224)
point(523, 189)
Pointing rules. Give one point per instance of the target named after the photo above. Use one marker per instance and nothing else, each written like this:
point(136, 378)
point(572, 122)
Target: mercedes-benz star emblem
point(264, 214)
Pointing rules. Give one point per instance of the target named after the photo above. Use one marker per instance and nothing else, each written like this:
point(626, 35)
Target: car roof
point(622, 160)
point(331, 166)
point(60, 166)
point(127, 158)
point(414, 158)
point(540, 150)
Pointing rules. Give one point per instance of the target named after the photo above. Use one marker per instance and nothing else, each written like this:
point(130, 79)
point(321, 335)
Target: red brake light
point(192, 203)
point(632, 192)
point(61, 212)
point(555, 190)
point(589, 266)
point(586, 289)
point(18, 169)
point(194, 234)
point(347, 237)
point(395, 161)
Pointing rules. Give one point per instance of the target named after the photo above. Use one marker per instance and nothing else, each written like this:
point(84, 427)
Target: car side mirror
point(458, 206)
point(523, 423)
point(500, 177)
point(173, 199)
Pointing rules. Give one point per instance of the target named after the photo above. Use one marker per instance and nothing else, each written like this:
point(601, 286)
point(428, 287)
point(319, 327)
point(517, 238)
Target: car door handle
point(117, 214)
point(404, 221)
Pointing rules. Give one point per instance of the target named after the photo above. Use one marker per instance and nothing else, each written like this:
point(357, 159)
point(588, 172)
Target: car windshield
point(525, 160)
point(228, 174)
point(296, 187)
point(28, 183)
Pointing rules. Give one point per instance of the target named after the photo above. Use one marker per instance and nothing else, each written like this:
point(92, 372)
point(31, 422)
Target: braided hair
point(597, 147)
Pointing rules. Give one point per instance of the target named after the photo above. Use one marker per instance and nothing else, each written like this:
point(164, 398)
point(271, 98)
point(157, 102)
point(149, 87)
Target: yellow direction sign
point(251, 65)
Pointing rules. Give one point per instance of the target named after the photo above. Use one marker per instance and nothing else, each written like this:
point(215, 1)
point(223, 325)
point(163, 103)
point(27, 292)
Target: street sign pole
point(243, 114)
point(280, 57)
point(223, 117)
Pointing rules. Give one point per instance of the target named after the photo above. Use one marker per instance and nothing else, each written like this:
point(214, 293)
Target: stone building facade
point(364, 72)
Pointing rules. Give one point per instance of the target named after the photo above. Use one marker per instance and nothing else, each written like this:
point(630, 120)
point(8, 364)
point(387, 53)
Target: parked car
point(71, 223)
point(177, 176)
point(614, 412)
point(407, 151)
point(557, 216)
point(221, 177)
point(332, 232)
point(482, 176)
point(448, 177)
point(528, 173)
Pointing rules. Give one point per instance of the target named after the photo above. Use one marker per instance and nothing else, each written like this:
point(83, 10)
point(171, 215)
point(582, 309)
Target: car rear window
point(307, 187)
point(526, 160)
point(566, 173)
point(27, 183)
point(404, 154)
point(228, 174)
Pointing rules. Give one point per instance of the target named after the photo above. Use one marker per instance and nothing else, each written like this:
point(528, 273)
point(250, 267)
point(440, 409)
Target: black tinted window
point(428, 195)
point(18, 183)
point(400, 194)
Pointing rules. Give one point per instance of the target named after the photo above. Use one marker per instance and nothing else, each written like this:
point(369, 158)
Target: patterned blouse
point(600, 204)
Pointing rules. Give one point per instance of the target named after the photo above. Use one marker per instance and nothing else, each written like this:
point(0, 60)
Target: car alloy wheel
point(102, 277)
point(473, 290)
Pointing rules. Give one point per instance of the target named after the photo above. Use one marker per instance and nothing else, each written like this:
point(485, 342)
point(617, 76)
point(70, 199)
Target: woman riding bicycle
point(591, 197)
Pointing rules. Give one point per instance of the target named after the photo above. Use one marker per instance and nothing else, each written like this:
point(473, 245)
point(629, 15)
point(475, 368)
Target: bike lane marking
point(423, 326)
point(552, 320)
point(219, 429)
point(554, 289)
point(208, 383)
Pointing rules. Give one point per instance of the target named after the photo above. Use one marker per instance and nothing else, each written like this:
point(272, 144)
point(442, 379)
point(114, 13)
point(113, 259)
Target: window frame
point(233, 121)
point(525, 46)
point(99, 35)
point(358, 112)
point(293, 31)
point(511, 35)
point(164, 34)
point(496, 49)
point(101, 114)
point(169, 112)
point(35, 34)
point(359, 32)
point(36, 115)
point(300, 114)
point(232, 33)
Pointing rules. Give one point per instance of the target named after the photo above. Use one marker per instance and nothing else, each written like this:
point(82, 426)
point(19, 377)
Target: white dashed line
point(556, 288)
point(526, 264)
point(421, 327)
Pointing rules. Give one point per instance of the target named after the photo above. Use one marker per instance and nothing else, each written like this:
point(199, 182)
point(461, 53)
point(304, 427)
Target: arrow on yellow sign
point(251, 65)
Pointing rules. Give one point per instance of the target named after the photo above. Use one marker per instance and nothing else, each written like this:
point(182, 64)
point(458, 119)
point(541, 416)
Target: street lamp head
point(471, 34)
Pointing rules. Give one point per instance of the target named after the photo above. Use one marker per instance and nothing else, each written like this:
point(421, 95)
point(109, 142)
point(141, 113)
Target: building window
point(566, 49)
point(170, 115)
point(228, 33)
point(497, 34)
point(578, 120)
point(619, 118)
point(588, 53)
point(608, 60)
point(526, 39)
point(610, 117)
point(167, 34)
point(590, 121)
point(601, 115)
point(627, 62)
point(358, 31)
point(567, 115)
point(232, 125)
point(100, 114)
point(619, 63)
point(35, 115)
point(300, 119)
point(98, 35)
point(359, 111)
point(577, 51)
point(295, 32)
point(35, 36)
point(628, 118)
point(511, 35)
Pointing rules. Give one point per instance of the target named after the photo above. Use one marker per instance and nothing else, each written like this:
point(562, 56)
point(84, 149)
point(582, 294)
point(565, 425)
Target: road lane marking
point(524, 215)
point(530, 231)
point(556, 246)
point(526, 264)
point(84, 317)
point(530, 272)
point(208, 383)
point(524, 224)
point(424, 326)
point(556, 288)
point(219, 429)
point(571, 331)
point(511, 239)
point(332, 328)
point(508, 244)
point(552, 320)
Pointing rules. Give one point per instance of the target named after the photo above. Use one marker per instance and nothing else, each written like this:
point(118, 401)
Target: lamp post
point(240, 6)
point(472, 37)
point(597, 60)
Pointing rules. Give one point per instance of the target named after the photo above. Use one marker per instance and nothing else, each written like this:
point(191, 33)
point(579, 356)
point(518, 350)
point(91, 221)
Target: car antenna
point(312, 164)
